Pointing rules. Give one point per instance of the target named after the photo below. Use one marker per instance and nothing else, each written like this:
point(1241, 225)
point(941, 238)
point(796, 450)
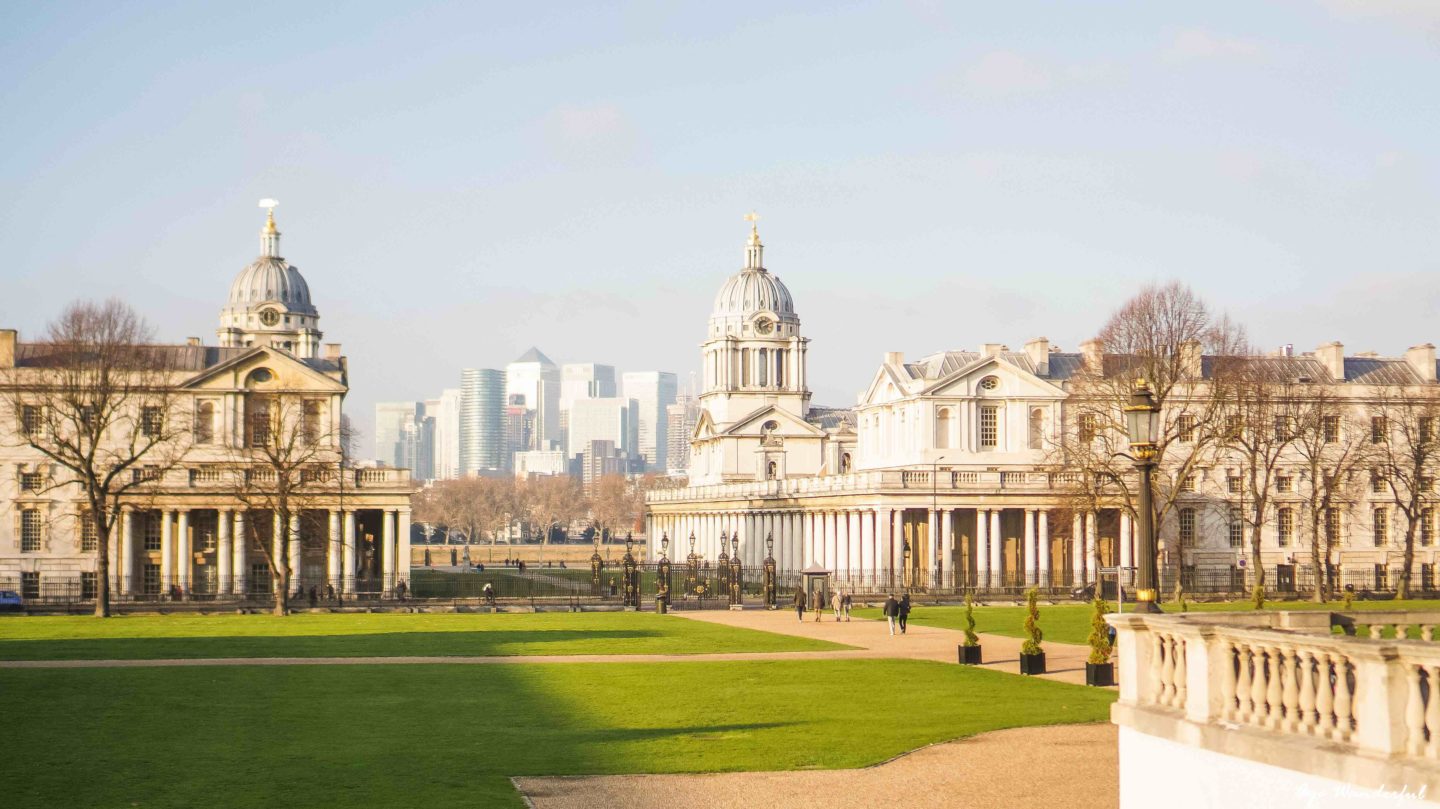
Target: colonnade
point(879, 542)
point(237, 566)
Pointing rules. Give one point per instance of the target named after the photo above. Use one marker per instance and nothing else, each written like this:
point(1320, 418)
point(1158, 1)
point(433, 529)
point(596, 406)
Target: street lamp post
point(1142, 423)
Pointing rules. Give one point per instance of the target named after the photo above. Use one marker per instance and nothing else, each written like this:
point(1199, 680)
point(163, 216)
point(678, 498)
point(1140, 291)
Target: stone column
point(402, 549)
point(1127, 557)
point(241, 545)
point(167, 550)
point(347, 559)
point(387, 552)
point(982, 547)
point(868, 568)
point(296, 554)
point(1046, 563)
point(1077, 550)
point(126, 563)
point(1032, 549)
point(333, 550)
point(184, 557)
point(947, 549)
point(856, 562)
point(884, 530)
point(897, 546)
point(997, 547)
point(224, 553)
point(1092, 533)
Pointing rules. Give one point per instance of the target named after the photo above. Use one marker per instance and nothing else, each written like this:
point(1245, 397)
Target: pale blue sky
point(461, 182)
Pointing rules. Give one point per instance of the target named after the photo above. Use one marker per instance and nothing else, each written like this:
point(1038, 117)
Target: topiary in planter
point(1098, 669)
point(1257, 597)
point(970, 649)
point(1032, 656)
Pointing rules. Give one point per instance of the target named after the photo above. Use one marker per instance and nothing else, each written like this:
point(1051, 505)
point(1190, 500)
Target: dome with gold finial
point(754, 289)
point(270, 302)
point(270, 279)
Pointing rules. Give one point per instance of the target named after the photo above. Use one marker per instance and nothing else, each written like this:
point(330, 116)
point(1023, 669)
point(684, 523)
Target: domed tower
point(270, 302)
point(754, 354)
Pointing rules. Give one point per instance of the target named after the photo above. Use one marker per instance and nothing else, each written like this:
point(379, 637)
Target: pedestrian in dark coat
point(800, 604)
point(904, 611)
point(891, 610)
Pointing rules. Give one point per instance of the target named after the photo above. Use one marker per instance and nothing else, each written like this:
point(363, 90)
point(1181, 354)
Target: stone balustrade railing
point(1301, 694)
point(888, 479)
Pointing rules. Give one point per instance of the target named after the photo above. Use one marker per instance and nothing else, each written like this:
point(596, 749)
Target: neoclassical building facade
point(191, 527)
point(945, 472)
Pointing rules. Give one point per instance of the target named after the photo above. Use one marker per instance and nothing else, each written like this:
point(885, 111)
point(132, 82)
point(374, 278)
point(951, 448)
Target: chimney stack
point(991, 349)
point(192, 341)
point(894, 357)
point(332, 351)
point(1093, 353)
point(1192, 358)
point(1422, 359)
point(7, 347)
point(1039, 352)
point(1332, 356)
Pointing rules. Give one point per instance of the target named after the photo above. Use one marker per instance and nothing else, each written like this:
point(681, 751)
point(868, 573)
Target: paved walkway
point(1071, 766)
point(1064, 661)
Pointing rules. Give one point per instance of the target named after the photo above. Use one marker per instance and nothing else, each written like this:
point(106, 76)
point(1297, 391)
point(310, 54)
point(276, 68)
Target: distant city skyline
point(459, 183)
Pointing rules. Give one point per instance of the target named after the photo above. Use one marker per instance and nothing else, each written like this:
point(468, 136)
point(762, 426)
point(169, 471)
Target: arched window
point(944, 424)
point(772, 469)
point(1037, 428)
point(844, 462)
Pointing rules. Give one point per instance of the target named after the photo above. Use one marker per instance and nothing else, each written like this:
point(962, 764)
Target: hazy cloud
point(1422, 13)
point(597, 130)
point(1194, 44)
point(1007, 73)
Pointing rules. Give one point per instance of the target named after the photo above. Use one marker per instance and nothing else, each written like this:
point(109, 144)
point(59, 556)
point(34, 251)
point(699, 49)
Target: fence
point(76, 593)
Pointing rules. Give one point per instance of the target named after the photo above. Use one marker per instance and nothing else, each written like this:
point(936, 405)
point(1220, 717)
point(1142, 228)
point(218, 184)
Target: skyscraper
point(610, 419)
point(582, 380)
point(396, 433)
point(482, 414)
point(533, 382)
point(446, 451)
point(681, 418)
point(652, 392)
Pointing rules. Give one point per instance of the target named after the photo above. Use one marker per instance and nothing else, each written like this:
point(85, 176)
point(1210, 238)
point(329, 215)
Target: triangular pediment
point(1014, 382)
point(704, 426)
point(787, 424)
point(886, 386)
point(288, 374)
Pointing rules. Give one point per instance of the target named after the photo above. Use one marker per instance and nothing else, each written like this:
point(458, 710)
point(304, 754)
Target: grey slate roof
point(829, 418)
point(177, 357)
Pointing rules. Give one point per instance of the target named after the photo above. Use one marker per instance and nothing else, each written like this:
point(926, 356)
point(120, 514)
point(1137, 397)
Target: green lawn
point(1070, 623)
point(379, 634)
point(451, 735)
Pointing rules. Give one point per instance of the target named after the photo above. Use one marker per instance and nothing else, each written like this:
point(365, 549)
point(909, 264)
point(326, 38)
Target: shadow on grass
point(490, 642)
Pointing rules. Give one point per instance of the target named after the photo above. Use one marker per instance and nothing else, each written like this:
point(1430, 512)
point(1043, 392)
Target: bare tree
point(1332, 446)
point(97, 399)
point(551, 500)
point(290, 461)
point(1403, 434)
point(615, 505)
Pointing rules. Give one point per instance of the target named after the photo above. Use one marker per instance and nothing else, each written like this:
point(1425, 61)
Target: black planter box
point(1100, 674)
point(970, 655)
point(1032, 664)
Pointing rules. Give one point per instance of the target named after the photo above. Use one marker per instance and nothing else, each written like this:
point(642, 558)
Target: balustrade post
point(1380, 697)
point(1209, 674)
point(1133, 651)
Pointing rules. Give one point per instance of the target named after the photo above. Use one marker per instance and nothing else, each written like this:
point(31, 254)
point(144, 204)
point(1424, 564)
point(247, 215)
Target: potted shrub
point(1032, 657)
point(1098, 668)
point(970, 649)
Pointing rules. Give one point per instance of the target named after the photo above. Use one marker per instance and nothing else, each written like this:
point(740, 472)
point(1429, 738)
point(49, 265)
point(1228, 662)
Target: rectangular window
point(1187, 483)
point(89, 533)
point(29, 530)
point(1187, 527)
point(990, 426)
point(1237, 529)
point(204, 422)
point(1283, 431)
point(1382, 577)
point(1379, 429)
point(1087, 428)
point(30, 481)
point(1284, 484)
point(152, 421)
point(260, 582)
point(1380, 522)
point(30, 422)
point(88, 587)
point(1330, 428)
point(152, 530)
point(1427, 526)
point(1377, 483)
point(1234, 426)
point(1427, 576)
point(1285, 526)
point(150, 581)
point(30, 585)
point(1426, 429)
point(257, 423)
point(1232, 484)
point(310, 422)
point(1332, 525)
point(1185, 428)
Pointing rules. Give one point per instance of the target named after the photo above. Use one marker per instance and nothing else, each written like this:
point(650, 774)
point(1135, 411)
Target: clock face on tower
point(764, 326)
point(269, 317)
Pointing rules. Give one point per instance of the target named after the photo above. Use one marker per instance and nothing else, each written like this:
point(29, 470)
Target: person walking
point(837, 603)
point(904, 611)
point(891, 609)
point(845, 603)
point(818, 604)
point(800, 604)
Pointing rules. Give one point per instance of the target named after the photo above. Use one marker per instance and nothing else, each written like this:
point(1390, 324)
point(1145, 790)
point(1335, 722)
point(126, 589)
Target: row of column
point(871, 541)
point(232, 557)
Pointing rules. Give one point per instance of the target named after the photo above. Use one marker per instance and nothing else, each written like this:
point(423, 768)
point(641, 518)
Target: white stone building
point(184, 526)
point(945, 474)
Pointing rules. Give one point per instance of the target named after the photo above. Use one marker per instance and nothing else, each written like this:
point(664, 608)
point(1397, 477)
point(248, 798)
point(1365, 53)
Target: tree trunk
point(1322, 579)
point(1402, 587)
point(102, 570)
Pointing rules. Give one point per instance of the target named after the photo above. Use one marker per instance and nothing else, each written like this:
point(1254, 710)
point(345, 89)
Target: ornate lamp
point(1142, 423)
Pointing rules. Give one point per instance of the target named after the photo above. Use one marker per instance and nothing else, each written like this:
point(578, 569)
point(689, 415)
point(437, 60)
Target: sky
point(459, 182)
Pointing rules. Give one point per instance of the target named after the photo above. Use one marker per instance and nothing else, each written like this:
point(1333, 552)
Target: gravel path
point(1071, 766)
